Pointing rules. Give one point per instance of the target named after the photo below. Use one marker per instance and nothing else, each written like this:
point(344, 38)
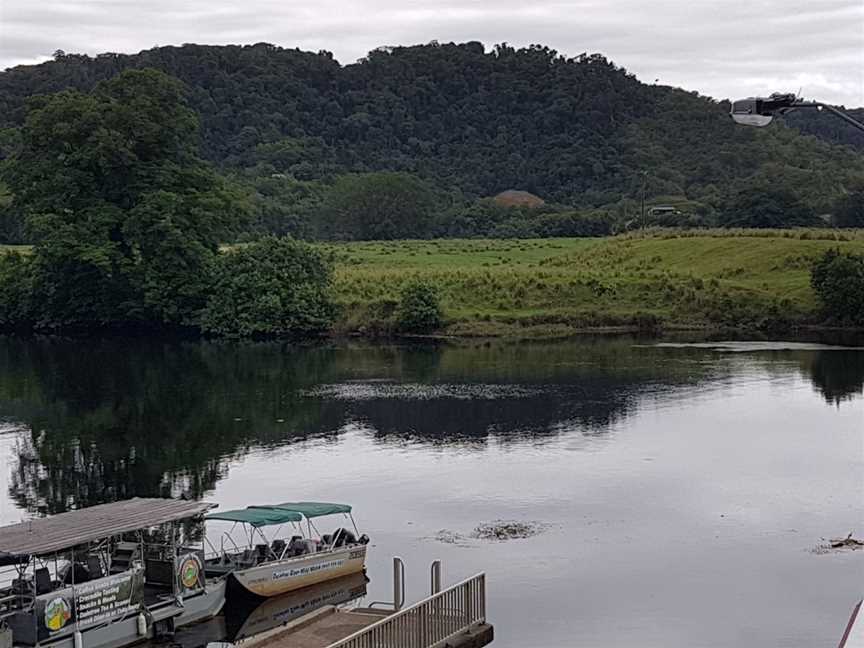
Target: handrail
point(427, 623)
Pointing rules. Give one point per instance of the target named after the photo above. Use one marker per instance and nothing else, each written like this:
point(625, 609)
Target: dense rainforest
point(440, 128)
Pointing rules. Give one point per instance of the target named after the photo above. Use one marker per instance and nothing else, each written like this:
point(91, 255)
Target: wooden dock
point(455, 617)
point(317, 629)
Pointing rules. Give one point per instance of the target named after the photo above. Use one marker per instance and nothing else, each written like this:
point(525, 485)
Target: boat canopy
point(257, 516)
point(309, 509)
point(66, 530)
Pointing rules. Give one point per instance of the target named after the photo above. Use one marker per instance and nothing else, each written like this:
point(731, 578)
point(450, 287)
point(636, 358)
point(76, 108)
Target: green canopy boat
point(289, 559)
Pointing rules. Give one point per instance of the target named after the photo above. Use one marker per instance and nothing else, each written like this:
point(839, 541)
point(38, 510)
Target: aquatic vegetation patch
point(500, 530)
point(835, 545)
point(375, 390)
point(496, 531)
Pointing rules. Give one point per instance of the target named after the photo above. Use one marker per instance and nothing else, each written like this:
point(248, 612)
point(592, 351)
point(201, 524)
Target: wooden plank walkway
point(317, 629)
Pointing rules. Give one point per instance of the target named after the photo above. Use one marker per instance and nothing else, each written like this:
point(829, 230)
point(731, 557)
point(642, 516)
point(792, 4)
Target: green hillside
point(554, 286)
point(472, 121)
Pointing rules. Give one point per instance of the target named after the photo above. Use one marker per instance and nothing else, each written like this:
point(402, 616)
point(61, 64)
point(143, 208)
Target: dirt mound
point(514, 198)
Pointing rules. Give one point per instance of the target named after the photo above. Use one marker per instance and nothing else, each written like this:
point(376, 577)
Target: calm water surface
point(684, 487)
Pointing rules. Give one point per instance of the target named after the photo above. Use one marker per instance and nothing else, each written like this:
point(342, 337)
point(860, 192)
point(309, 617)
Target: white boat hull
point(281, 576)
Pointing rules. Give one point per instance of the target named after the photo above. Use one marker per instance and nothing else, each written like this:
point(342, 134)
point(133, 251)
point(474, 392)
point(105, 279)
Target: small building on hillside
point(515, 198)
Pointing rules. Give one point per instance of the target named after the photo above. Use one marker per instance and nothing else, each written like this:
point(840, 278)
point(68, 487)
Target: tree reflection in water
point(102, 420)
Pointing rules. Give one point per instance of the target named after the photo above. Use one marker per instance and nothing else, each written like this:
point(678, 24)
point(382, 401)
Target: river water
point(682, 490)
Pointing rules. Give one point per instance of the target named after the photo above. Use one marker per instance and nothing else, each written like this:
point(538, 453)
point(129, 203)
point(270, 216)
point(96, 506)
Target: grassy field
point(553, 286)
point(745, 279)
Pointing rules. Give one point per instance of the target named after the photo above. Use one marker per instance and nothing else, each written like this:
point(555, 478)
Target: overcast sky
point(723, 49)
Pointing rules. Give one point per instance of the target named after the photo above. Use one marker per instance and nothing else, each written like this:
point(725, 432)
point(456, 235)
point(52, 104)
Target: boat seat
point(302, 547)
point(75, 569)
point(278, 547)
point(42, 580)
point(94, 566)
point(295, 546)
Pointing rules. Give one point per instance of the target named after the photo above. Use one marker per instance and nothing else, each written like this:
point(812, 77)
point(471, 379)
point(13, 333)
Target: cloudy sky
point(723, 49)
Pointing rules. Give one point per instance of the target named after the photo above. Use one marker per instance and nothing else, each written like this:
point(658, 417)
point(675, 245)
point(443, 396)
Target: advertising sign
point(108, 598)
point(89, 604)
point(190, 573)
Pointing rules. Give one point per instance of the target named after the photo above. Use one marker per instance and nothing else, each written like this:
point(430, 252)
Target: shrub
point(274, 287)
point(838, 279)
point(16, 283)
point(419, 310)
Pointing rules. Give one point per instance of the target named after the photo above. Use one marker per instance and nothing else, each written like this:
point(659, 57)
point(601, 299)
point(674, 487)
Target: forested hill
point(579, 131)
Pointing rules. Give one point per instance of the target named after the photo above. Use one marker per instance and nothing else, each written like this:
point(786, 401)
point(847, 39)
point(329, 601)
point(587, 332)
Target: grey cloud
point(722, 49)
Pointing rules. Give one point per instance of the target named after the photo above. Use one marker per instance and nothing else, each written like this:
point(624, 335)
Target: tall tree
point(126, 217)
point(379, 206)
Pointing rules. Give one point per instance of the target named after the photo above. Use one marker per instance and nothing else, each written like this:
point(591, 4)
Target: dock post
point(398, 583)
point(435, 578)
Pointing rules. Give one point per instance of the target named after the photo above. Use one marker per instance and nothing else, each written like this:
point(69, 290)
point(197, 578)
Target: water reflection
point(252, 617)
point(110, 419)
point(837, 376)
point(247, 617)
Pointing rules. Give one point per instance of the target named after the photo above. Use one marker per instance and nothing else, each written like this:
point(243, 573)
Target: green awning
point(308, 509)
point(256, 516)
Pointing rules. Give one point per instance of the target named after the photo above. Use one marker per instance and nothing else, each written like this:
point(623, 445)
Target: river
point(681, 490)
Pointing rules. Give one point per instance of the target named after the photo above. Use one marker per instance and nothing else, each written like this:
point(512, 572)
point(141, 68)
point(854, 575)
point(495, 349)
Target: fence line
point(427, 623)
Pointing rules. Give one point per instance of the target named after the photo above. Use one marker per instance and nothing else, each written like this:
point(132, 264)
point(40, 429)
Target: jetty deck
point(319, 629)
point(455, 616)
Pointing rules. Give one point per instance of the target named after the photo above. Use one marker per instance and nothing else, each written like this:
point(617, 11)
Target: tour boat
point(106, 576)
point(289, 559)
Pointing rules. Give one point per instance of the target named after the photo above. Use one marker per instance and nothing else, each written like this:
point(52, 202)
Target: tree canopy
point(270, 287)
point(576, 131)
point(838, 280)
point(125, 217)
point(379, 206)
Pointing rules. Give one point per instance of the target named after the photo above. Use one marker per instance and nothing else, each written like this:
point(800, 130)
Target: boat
point(289, 559)
point(106, 576)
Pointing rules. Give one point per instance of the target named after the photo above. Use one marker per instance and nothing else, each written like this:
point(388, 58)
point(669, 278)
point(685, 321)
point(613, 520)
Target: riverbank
point(708, 280)
point(705, 281)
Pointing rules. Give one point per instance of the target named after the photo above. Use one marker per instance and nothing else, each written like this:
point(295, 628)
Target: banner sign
point(89, 604)
point(108, 598)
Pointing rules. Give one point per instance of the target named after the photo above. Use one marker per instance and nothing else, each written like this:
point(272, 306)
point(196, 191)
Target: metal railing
point(428, 623)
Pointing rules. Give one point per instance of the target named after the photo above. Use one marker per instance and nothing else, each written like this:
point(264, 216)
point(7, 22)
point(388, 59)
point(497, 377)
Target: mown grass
point(720, 278)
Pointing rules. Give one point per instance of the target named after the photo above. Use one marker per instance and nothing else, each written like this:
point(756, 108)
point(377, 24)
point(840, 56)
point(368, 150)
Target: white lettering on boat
point(309, 569)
